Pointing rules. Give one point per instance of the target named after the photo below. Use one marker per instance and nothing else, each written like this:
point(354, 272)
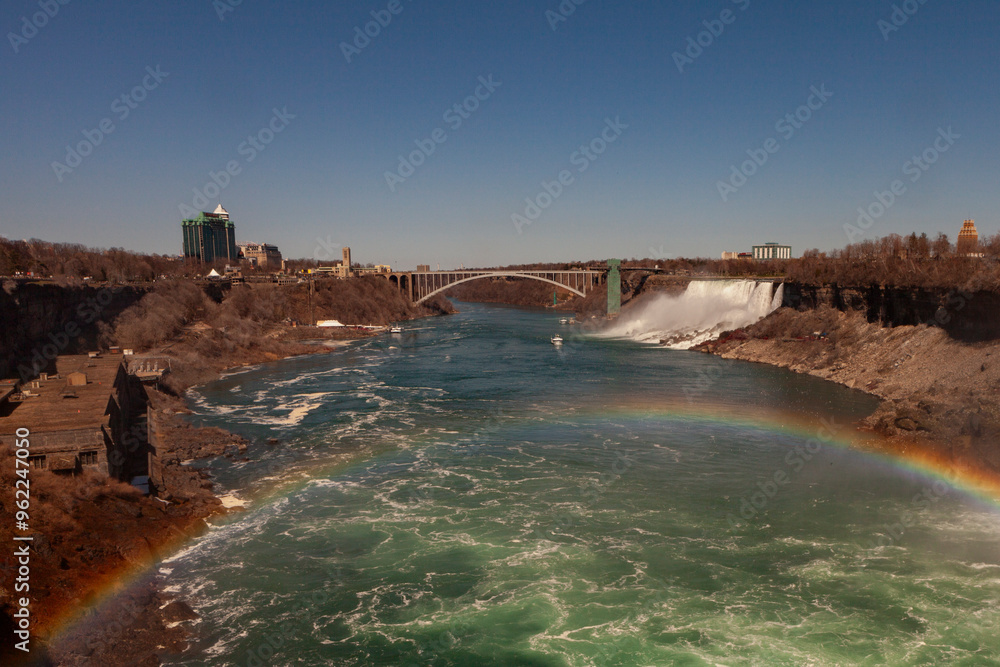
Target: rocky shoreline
point(939, 395)
point(93, 533)
point(147, 622)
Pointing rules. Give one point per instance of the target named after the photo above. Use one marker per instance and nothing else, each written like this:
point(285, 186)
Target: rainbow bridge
point(422, 285)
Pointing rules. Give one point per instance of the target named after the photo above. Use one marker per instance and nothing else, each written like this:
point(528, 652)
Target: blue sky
point(652, 190)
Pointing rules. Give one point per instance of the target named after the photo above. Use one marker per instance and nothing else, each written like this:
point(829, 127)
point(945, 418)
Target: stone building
point(262, 255)
point(90, 414)
point(968, 239)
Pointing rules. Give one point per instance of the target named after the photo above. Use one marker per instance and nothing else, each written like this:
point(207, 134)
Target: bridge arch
point(501, 274)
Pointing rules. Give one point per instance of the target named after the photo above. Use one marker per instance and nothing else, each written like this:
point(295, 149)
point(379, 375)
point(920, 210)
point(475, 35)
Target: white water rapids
point(701, 313)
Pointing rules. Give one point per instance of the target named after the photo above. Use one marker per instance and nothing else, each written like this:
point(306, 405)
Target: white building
point(772, 250)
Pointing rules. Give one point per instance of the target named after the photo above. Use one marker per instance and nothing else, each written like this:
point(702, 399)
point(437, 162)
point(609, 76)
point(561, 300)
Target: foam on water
point(474, 535)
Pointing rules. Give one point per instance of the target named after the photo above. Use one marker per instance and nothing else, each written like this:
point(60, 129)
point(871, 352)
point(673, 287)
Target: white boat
point(396, 329)
point(557, 340)
point(564, 321)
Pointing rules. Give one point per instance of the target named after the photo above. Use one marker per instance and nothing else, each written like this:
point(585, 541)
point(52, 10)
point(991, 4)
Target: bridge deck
point(422, 285)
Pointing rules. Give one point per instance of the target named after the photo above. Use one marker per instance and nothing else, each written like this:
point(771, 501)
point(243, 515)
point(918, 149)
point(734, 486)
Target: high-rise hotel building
point(210, 236)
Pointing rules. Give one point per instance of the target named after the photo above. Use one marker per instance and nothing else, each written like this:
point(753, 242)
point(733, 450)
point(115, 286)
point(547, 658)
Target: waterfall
point(701, 313)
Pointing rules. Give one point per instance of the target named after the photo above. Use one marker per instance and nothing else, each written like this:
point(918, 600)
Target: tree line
point(904, 261)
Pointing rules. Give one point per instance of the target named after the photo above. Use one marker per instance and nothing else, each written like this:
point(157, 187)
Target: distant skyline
point(491, 134)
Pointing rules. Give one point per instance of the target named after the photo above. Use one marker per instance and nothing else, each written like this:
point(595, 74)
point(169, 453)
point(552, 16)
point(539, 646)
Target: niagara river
point(468, 493)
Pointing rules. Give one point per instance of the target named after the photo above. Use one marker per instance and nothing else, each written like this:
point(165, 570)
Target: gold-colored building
point(968, 239)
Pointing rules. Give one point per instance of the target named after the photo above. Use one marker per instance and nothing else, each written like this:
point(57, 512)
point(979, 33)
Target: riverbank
point(96, 535)
point(939, 395)
point(91, 533)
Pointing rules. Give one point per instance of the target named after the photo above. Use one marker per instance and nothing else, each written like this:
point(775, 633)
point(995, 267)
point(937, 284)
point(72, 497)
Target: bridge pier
point(614, 286)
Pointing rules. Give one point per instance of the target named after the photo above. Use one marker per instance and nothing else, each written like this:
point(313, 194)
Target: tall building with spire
point(968, 239)
point(210, 236)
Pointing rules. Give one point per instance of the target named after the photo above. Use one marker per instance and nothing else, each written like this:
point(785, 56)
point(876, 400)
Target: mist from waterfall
point(701, 313)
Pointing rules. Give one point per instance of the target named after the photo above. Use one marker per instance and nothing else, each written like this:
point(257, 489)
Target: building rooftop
point(55, 405)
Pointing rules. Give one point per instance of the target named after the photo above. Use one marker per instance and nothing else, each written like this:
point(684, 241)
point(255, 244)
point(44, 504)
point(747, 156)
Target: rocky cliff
point(43, 320)
point(965, 316)
point(930, 355)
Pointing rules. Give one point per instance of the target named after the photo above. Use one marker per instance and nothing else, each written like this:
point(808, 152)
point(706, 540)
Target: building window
point(37, 462)
point(88, 458)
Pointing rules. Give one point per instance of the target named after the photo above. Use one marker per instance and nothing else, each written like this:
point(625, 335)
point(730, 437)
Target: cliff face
point(965, 316)
point(929, 354)
point(40, 321)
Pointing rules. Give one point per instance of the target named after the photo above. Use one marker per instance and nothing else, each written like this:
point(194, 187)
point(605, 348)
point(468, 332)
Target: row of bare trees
point(914, 260)
point(72, 261)
point(248, 311)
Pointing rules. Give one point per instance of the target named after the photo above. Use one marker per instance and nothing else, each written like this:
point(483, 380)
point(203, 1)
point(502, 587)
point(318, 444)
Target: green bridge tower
point(614, 286)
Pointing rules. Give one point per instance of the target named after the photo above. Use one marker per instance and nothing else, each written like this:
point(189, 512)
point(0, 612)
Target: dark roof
point(51, 410)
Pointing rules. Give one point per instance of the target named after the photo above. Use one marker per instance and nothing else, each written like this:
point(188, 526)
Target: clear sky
point(668, 128)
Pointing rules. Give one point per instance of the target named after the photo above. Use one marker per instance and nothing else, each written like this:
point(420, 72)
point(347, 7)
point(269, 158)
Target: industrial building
point(210, 236)
point(90, 412)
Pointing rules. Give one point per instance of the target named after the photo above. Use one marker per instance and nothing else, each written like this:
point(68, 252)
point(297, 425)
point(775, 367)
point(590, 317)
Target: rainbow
point(871, 449)
point(976, 485)
point(907, 457)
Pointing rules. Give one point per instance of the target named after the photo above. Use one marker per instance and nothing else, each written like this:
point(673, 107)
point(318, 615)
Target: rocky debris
point(142, 626)
point(938, 392)
point(178, 611)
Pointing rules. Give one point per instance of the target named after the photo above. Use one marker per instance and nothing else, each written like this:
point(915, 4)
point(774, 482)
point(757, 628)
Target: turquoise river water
point(466, 493)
